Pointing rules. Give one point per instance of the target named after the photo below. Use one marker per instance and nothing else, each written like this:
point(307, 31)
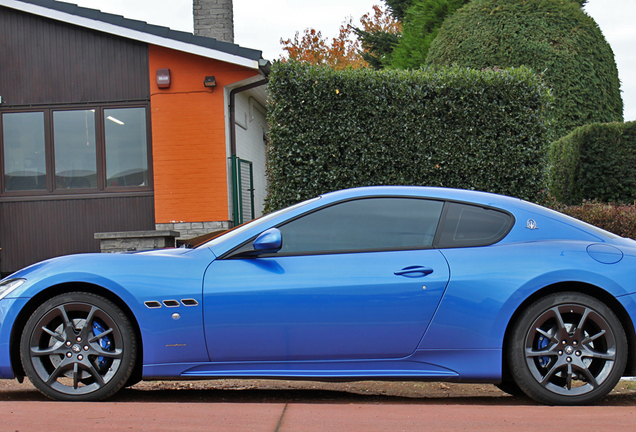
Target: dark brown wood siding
point(43, 61)
point(31, 231)
point(50, 63)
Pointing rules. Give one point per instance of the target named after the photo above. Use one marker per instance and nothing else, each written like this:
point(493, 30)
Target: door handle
point(414, 271)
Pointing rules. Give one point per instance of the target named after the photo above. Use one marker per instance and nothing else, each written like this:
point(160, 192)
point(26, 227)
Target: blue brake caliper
point(105, 343)
point(543, 343)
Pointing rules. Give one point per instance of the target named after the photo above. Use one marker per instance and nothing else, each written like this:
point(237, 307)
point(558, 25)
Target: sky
point(260, 24)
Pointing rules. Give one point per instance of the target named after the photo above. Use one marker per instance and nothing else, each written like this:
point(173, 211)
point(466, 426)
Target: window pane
point(467, 225)
point(24, 154)
point(365, 224)
point(126, 147)
point(75, 153)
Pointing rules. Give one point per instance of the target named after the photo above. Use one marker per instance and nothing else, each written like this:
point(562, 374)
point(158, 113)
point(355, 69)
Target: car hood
point(113, 271)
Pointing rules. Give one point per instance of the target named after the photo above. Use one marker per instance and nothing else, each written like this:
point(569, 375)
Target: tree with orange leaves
point(379, 34)
point(341, 52)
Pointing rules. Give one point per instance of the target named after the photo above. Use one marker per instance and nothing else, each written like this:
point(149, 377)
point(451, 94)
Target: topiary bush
point(453, 127)
point(596, 161)
point(555, 38)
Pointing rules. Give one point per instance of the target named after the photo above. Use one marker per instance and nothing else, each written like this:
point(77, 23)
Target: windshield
point(248, 225)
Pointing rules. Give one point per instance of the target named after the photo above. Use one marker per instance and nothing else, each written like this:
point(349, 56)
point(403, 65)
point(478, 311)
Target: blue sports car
point(381, 283)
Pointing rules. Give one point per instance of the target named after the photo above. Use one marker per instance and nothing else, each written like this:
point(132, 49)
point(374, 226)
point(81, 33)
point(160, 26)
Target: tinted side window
point(466, 225)
point(364, 225)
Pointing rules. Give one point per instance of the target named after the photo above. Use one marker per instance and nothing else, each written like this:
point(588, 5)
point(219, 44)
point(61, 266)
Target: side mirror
point(268, 241)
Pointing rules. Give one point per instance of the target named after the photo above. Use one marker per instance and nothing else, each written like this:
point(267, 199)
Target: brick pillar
point(214, 19)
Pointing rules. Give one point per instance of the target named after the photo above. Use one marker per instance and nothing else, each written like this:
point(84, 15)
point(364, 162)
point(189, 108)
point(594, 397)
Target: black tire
point(78, 347)
point(567, 349)
point(135, 378)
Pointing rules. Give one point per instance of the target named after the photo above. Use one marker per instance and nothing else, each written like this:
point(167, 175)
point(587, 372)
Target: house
point(109, 124)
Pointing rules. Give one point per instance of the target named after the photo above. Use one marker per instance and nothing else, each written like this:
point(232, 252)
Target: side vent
point(189, 302)
point(153, 304)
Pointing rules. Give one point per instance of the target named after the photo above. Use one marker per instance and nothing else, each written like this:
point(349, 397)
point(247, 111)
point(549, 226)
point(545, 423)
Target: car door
point(354, 280)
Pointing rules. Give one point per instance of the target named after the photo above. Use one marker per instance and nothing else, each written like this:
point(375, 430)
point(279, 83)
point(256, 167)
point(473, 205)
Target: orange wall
point(188, 136)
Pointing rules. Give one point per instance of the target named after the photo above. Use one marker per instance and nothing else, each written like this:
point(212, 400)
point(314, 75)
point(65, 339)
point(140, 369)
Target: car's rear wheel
point(78, 346)
point(567, 349)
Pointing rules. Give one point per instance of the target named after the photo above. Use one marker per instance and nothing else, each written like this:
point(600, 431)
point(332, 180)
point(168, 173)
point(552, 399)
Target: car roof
point(472, 196)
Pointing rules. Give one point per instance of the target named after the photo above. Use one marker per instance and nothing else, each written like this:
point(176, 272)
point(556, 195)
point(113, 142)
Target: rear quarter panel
point(489, 284)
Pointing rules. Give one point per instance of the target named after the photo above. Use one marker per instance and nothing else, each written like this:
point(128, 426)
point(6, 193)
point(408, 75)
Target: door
point(356, 280)
point(246, 191)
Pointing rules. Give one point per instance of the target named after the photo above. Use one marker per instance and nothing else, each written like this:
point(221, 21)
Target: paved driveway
point(268, 406)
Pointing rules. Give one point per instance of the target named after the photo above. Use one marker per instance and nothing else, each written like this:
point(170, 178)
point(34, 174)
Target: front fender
point(169, 334)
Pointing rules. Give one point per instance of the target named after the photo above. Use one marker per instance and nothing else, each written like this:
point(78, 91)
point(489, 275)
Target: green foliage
point(420, 26)
point(398, 8)
point(378, 46)
point(453, 127)
point(619, 219)
point(595, 161)
point(553, 37)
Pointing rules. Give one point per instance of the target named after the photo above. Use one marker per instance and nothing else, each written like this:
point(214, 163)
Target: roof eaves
point(139, 30)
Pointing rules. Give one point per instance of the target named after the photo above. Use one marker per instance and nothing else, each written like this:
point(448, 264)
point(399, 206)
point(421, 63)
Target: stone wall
point(165, 236)
point(128, 241)
point(189, 230)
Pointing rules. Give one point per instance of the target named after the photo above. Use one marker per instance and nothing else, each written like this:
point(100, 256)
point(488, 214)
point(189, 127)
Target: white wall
point(251, 126)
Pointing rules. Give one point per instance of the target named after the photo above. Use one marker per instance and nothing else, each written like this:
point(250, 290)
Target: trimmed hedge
point(453, 127)
point(595, 161)
point(553, 37)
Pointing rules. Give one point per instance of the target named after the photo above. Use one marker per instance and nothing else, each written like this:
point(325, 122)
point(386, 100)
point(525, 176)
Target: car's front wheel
point(78, 346)
point(567, 349)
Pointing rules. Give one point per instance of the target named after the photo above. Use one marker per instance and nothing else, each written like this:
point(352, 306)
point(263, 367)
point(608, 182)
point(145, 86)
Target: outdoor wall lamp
point(209, 81)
